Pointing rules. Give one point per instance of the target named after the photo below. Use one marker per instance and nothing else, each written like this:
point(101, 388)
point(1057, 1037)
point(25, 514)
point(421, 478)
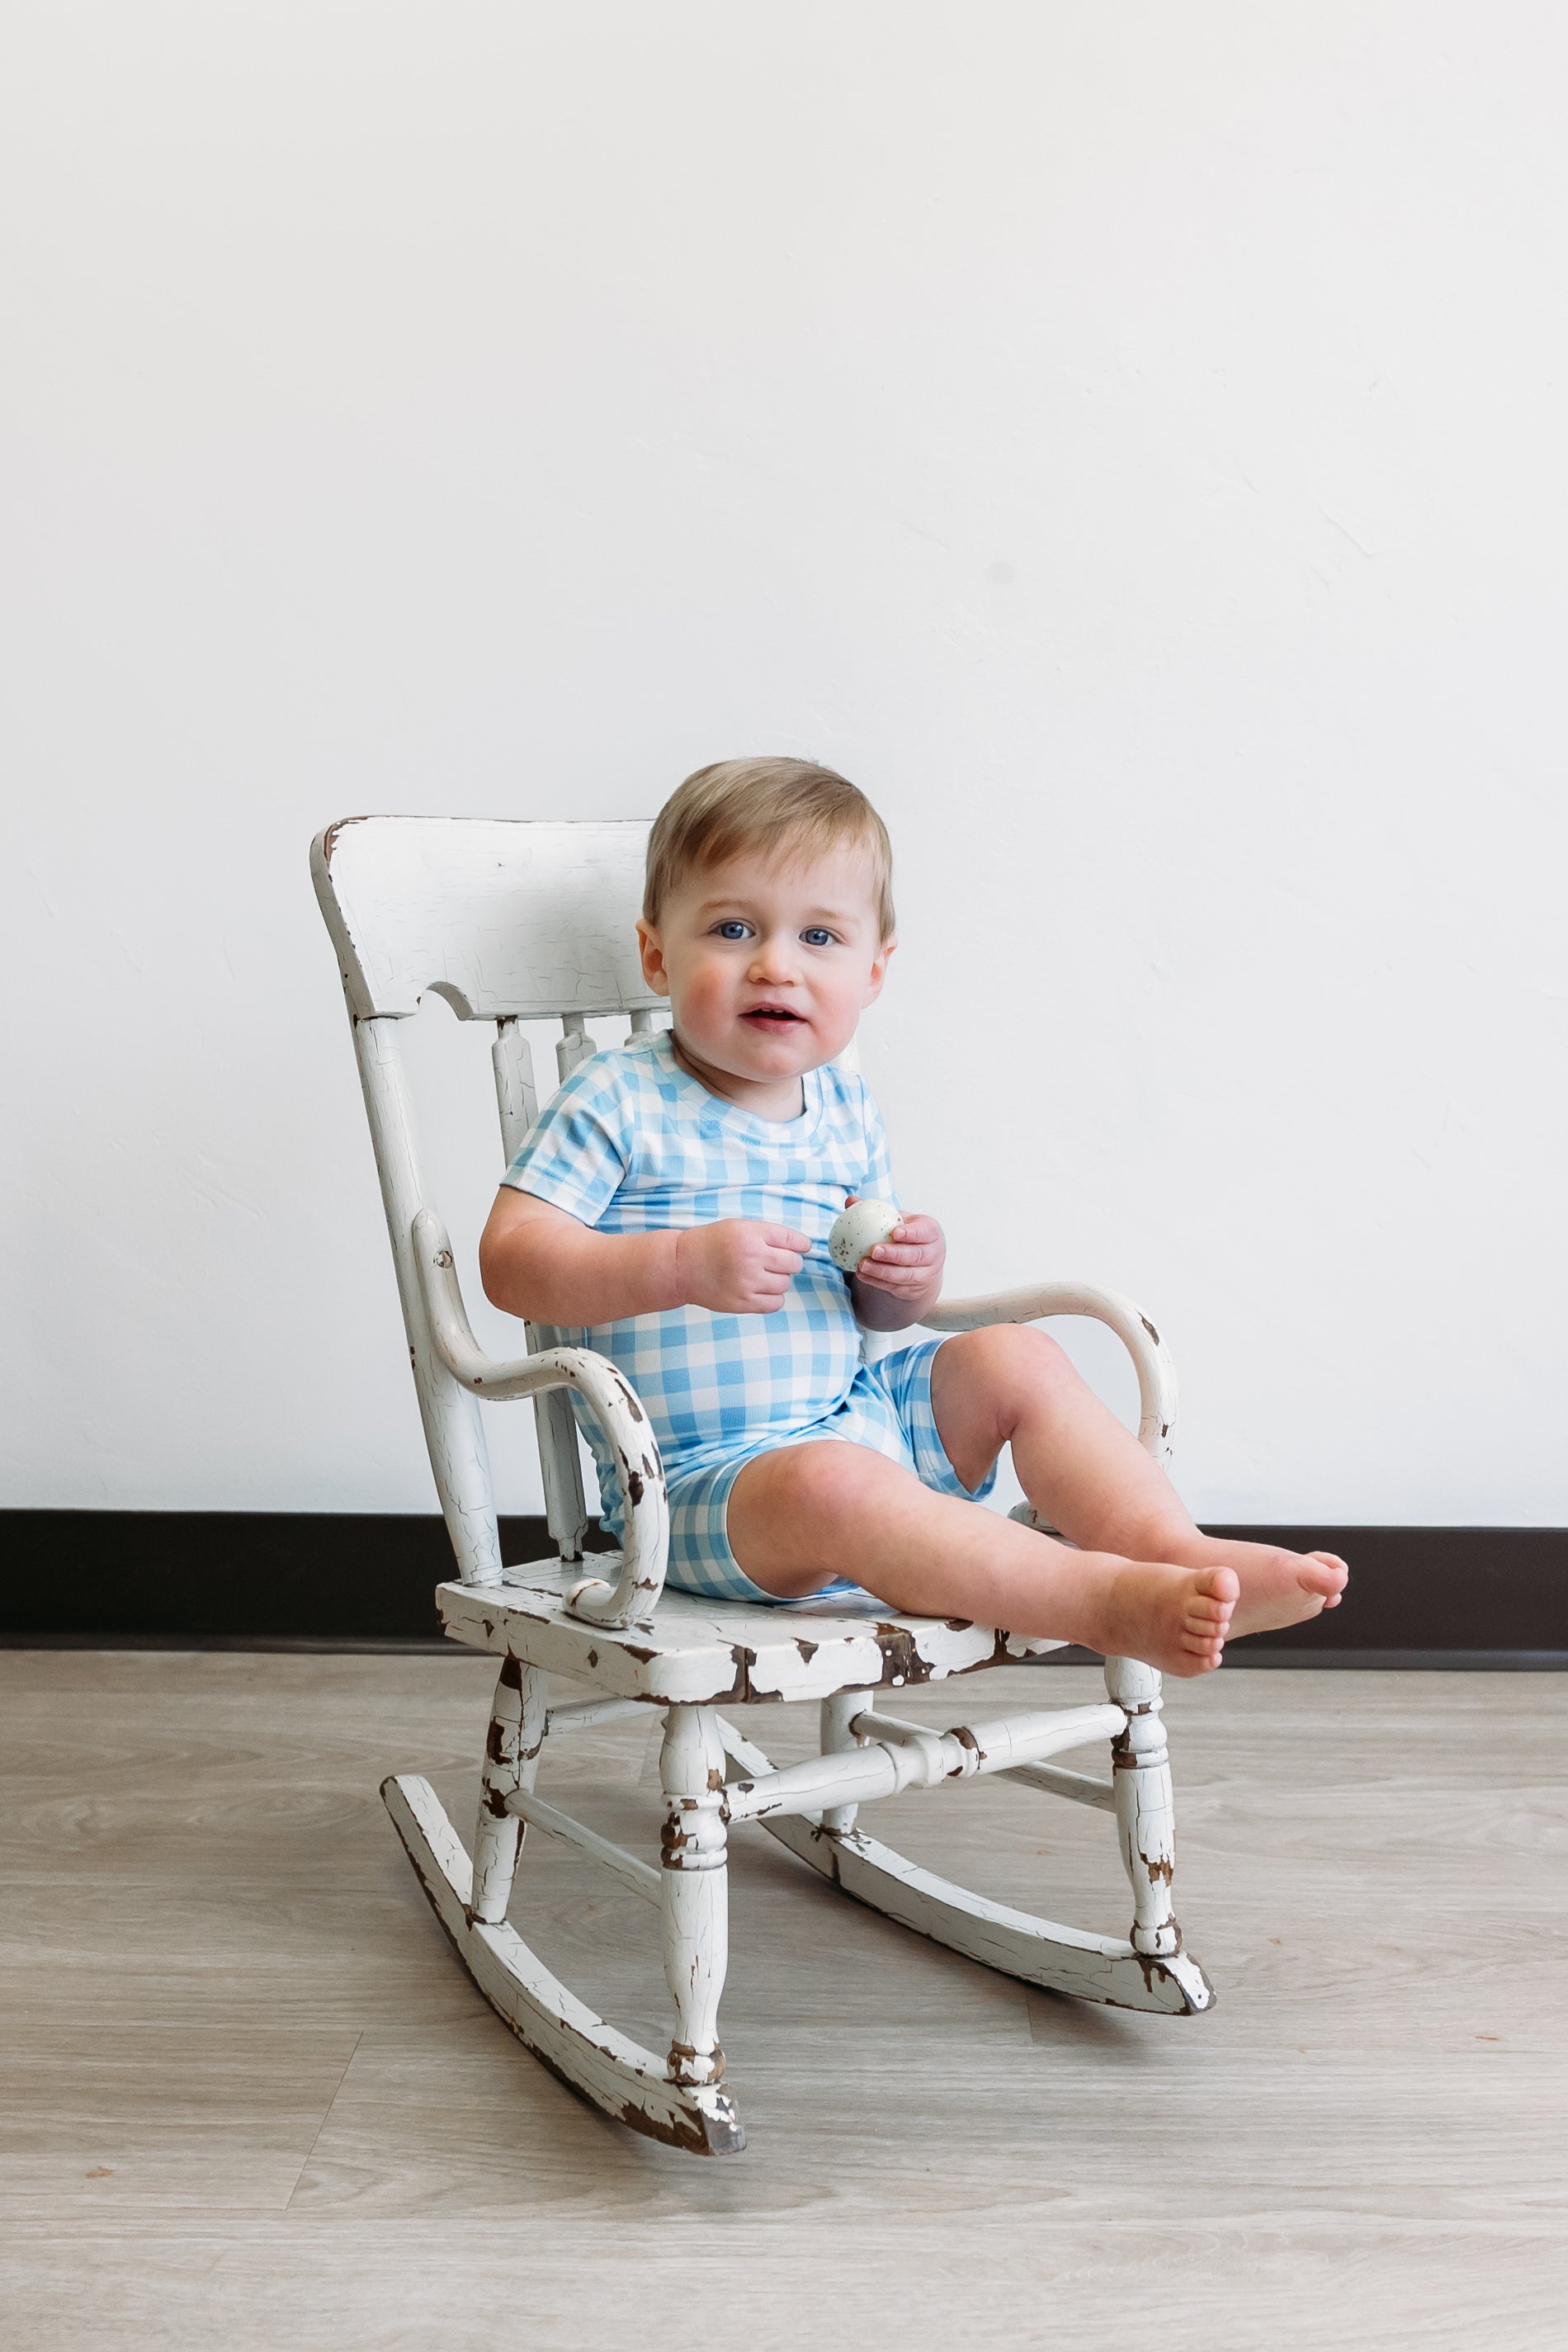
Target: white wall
point(1128, 440)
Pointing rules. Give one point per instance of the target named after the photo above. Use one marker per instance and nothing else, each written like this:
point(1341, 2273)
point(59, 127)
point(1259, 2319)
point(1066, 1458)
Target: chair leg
point(838, 1714)
point(695, 1889)
point(1145, 1812)
point(512, 1762)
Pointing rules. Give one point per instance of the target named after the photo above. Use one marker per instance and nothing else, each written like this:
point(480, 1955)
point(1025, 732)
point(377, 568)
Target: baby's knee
point(1015, 1359)
point(828, 1483)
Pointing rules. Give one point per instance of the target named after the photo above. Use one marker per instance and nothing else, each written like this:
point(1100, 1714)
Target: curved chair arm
point(1156, 1373)
point(644, 1515)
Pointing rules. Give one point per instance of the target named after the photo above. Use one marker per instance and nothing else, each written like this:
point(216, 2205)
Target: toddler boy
point(670, 1210)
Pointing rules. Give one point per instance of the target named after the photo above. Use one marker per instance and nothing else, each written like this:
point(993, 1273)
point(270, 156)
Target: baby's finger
point(785, 1237)
point(917, 1229)
point(905, 1254)
point(892, 1277)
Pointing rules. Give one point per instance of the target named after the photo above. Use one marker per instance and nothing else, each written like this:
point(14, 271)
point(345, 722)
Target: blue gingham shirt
point(633, 1144)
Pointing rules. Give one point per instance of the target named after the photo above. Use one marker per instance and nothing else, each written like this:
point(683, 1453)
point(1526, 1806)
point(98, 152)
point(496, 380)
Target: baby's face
point(768, 963)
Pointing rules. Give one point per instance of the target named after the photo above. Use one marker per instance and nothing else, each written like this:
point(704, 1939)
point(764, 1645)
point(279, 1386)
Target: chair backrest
point(509, 921)
point(504, 918)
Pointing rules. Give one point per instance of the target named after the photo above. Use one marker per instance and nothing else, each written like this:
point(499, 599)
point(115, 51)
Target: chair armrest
point(1156, 1373)
point(644, 1515)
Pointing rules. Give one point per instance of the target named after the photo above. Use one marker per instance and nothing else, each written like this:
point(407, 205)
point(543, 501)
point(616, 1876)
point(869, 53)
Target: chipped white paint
point(645, 1515)
point(506, 919)
point(616, 2072)
point(513, 922)
point(518, 1723)
point(697, 1652)
point(892, 1755)
point(1040, 1951)
point(696, 1889)
point(1145, 1809)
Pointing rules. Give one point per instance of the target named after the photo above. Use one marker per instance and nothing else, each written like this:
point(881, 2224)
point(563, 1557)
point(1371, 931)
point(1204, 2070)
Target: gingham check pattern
point(888, 1409)
point(632, 1144)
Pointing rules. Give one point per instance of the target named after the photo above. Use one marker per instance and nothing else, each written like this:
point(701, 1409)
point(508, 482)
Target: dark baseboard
point(1444, 1598)
point(228, 1577)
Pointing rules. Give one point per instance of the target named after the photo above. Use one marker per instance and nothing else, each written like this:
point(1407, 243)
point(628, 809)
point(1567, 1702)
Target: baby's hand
point(738, 1266)
point(909, 1264)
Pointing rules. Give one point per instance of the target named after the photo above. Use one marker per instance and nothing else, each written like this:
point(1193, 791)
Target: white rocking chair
point(514, 922)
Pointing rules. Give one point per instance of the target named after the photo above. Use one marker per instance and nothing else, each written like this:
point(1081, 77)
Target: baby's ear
point(877, 973)
point(652, 952)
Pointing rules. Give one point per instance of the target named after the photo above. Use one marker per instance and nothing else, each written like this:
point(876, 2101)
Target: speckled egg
point(859, 1230)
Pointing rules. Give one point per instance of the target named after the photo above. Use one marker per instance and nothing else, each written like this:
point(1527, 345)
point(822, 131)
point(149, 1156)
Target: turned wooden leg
point(695, 1889)
point(838, 1714)
point(512, 1762)
point(1145, 1815)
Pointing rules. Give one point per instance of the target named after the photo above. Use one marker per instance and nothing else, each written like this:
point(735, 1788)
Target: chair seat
point(698, 1653)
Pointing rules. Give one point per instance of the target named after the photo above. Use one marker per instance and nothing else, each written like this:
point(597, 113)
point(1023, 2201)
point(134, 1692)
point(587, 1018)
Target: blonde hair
point(738, 806)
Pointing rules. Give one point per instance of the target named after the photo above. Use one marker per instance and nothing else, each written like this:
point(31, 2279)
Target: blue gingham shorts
point(888, 1407)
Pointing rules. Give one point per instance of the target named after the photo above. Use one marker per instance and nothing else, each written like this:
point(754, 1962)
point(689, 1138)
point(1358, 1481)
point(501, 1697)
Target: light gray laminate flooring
point(251, 2099)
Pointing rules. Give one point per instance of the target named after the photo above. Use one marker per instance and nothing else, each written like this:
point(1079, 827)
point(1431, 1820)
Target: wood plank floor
point(250, 2100)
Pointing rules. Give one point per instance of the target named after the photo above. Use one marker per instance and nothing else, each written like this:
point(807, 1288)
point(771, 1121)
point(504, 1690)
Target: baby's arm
point(538, 1262)
point(900, 1280)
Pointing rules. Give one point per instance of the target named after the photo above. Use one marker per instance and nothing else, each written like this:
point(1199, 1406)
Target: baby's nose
point(773, 958)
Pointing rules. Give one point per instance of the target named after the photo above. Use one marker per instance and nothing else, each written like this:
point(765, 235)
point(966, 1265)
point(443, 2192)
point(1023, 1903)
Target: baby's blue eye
point(732, 930)
point(817, 937)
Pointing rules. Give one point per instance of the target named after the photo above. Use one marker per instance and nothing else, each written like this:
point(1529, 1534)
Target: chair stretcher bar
point(898, 1756)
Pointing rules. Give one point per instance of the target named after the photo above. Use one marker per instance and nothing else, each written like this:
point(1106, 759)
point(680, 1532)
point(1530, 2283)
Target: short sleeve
point(879, 1184)
point(577, 1152)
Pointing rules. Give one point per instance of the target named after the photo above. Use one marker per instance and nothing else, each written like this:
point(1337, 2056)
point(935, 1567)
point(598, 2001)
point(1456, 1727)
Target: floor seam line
point(320, 2127)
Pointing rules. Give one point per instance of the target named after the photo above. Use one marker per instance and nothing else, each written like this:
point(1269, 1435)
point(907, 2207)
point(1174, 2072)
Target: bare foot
point(1276, 1587)
point(1175, 1618)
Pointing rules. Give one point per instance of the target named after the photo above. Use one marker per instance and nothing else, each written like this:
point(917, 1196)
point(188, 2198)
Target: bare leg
point(1089, 1476)
point(1144, 1583)
point(804, 1514)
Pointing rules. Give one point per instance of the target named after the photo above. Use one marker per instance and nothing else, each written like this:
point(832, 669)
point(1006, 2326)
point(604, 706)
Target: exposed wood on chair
point(697, 1652)
point(605, 1394)
point(696, 1890)
point(1040, 1951)
point(519, 922)
point(892, 1755)
point(1145, 1808)
point(517, 1734)
point(616, 2072)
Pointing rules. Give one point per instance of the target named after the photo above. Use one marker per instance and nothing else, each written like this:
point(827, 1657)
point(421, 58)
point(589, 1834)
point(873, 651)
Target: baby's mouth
point(771, 1016)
